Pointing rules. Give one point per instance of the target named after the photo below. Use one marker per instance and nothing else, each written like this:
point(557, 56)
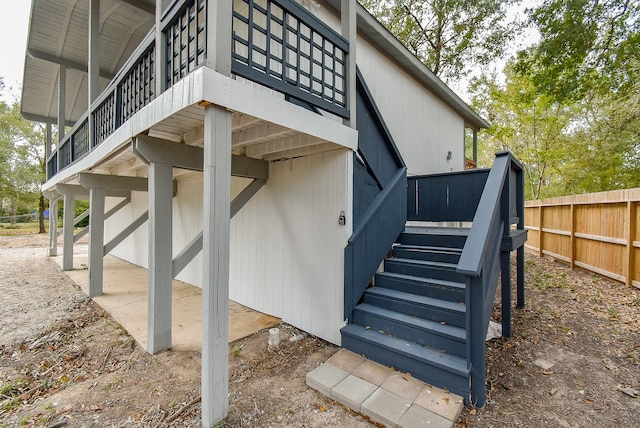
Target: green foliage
point(570, 105)
point(451, 37)
point(22, 162)
point(585, 46)
point(530, 124)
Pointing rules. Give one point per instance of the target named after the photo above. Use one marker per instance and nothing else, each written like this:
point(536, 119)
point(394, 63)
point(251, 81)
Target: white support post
point(94, 61)
point(62, 95)
point(161, 54)
point(68, 221)
point(96, 240)
point(47, 143)
point(215, 285)
point(349, 32)
point(160, 257)
point(53, 227)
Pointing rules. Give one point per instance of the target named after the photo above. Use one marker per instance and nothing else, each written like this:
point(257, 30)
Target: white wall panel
point(424, 128)
point(287, 248)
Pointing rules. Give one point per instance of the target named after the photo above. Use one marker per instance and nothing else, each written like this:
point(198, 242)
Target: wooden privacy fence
point(597, 232)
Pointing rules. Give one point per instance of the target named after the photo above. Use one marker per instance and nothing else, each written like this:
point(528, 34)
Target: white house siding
point(424, 128)
point(287, 247)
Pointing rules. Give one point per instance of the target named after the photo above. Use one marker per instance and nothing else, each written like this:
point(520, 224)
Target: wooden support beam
point(68, 217)
point(80, 192)
point(287, 143)
point(160, 257)
point(302, 151)
point(142, 5)
point(195, 246)
point(215, 287)
point(109, 246)
point(151, 149)
point(259, 134)
point(246, 194)
point(81, 217)
point(191, 157)
point(113, 182)
point(62, 96)
point(80, 234)
point(118, 207)
point(65, 62)
point(96, 240)
point(184, 258)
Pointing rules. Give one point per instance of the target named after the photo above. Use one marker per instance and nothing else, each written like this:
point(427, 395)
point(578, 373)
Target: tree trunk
point(41, 215)
point(14, 209)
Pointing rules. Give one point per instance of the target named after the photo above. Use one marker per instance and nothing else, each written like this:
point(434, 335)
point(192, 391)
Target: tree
point(532, 125)
point(22, 161)
point(451, 37)
point(586, 46)
point(589, 57)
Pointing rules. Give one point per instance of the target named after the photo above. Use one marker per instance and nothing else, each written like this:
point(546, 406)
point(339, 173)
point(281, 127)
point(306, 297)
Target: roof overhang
point(58, 36)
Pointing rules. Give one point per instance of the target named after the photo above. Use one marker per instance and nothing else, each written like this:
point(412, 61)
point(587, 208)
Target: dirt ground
point(574, 360)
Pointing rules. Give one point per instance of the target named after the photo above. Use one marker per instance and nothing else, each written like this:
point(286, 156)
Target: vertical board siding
point(597, 232)
point(424, 128)
point(287, 248)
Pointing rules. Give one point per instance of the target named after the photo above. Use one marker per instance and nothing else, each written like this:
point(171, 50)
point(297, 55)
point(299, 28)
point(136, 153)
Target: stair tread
point(432, 230)
point(432, 326)
point(426, 263)
point(442, 282)
point(427, 248)
point(418, 299)
point(445, 361)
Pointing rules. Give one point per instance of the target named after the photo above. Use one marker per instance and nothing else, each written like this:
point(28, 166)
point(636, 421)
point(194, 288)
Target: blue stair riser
point(417, 309)
point(410, 332)
point(436, 376)
point(452, 292)
point(423, 270)
point(434, 255)
point(433, 240)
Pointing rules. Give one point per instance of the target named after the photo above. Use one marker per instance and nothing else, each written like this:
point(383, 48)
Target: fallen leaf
point(553, 391)
point(446, 400)
point(629, 391)
point(322, 408)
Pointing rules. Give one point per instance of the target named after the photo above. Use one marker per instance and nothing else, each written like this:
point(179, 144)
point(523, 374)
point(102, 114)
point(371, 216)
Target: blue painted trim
point(379, 122)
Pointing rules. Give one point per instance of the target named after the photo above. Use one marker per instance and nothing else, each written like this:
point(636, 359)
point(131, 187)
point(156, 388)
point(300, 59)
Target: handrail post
point(520, 250)
point(505, 256)
point(476, 338)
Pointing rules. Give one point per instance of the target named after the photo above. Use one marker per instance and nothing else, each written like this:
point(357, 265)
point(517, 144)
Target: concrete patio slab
point(125, 297)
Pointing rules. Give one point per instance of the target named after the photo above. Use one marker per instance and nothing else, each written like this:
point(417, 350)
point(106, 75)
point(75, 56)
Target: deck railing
point(276, 43)
point(493, 200)
point(282, 45)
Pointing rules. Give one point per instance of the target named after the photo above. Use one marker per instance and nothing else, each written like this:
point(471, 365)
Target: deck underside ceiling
point(251, 137)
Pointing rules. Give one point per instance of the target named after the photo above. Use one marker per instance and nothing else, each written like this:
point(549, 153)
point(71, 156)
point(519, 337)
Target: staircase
point(414, 317)
point(428, 311)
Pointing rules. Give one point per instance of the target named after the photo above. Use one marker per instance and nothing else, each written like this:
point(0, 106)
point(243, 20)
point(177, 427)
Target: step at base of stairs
point(441, 369)
point(386, 396)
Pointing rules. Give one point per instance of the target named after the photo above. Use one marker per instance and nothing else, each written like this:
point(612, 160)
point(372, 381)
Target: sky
point(14, 24)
